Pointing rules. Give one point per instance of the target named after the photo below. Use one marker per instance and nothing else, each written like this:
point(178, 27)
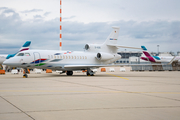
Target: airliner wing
point(172, 60)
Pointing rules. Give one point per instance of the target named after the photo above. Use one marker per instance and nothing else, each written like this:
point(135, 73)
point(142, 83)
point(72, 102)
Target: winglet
point(143, 47)
point(27, 44)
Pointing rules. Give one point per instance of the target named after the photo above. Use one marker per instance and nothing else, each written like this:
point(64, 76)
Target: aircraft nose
point(8, 62)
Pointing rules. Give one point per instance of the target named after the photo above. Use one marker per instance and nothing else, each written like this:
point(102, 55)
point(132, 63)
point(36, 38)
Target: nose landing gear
point(25, 73)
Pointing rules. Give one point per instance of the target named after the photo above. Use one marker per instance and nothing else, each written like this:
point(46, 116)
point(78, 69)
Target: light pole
point(125, 55)
point(158, 49)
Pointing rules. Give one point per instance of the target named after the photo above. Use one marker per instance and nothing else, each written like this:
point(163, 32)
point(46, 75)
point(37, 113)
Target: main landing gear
point(25, 73)
point(69, 73)
point(90, 72)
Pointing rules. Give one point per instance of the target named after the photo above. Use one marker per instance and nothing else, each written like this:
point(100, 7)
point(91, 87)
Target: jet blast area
point(105, 96)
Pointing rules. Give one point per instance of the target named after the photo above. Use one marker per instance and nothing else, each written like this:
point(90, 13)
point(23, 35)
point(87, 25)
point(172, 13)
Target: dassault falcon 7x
point(3, 57)
point(94, 56)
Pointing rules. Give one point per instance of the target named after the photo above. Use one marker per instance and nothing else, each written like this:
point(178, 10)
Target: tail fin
point(144, 48)
point(148, 57)
point(146, 53)
point(110, 45)
point(113, 37)
point(23, 48)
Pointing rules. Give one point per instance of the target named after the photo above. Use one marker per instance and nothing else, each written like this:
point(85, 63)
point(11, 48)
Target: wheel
point(25, 76)
point(69, 73)
point(87, 74)
point(90, 73)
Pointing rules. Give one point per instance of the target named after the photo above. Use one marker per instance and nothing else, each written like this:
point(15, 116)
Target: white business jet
point(94, 56)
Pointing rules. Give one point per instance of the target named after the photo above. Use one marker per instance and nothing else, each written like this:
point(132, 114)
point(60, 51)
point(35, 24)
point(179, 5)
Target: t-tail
point(23, 48)
point(109, 46)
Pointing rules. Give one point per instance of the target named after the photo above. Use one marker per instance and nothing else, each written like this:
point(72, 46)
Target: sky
point(142, 22)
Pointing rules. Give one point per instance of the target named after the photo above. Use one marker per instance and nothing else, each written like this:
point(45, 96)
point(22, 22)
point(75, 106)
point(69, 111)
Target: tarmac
point(105, 96)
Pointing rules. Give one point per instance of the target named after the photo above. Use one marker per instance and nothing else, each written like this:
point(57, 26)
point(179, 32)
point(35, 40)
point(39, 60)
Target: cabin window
point(20, 54)
point(66, 57)
point(27, 54)
point(85, 57)
point(69, 57)
point(63, 57)
point(60, 57)
point(52, 56)
point(82, 57)
point(74, 57)
point(57, 57)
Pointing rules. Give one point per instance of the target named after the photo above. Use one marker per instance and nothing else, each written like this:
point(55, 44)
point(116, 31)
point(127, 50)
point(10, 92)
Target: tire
point(69, 73)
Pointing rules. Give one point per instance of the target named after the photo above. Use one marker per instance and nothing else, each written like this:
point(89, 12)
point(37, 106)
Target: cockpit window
point(27, 54)
point(20, 54)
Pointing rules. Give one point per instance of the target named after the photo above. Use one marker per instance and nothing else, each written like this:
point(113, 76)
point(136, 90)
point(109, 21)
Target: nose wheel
point(25, 73)
point(25, 76)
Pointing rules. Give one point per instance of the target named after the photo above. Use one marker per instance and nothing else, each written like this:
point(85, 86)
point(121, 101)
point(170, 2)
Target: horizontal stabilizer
point(118, 46)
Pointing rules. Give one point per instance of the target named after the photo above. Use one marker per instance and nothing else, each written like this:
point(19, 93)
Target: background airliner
point(159, 59)
point(3, 57)
point(94, 56)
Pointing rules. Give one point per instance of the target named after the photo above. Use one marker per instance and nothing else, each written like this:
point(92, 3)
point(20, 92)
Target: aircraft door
point(37, 58)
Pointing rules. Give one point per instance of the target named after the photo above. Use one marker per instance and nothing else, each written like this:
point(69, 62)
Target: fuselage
point(159, 59)
point(56, 60)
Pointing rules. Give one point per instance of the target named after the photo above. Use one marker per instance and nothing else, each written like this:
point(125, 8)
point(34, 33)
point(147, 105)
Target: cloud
point(45, 34)
point(47, 13)
point(38, 17)
point(71, 17)
point(33, 10)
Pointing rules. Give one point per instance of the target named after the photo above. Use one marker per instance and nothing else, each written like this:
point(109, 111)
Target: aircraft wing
point(172, 60)
point(109, 65)
point(84, 66)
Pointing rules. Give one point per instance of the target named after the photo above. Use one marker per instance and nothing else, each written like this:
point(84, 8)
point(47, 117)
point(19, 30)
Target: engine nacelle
point(104, 56)
point(93, 47)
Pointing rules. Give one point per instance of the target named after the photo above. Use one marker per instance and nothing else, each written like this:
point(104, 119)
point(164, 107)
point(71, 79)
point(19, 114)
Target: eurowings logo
point(112, 39)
